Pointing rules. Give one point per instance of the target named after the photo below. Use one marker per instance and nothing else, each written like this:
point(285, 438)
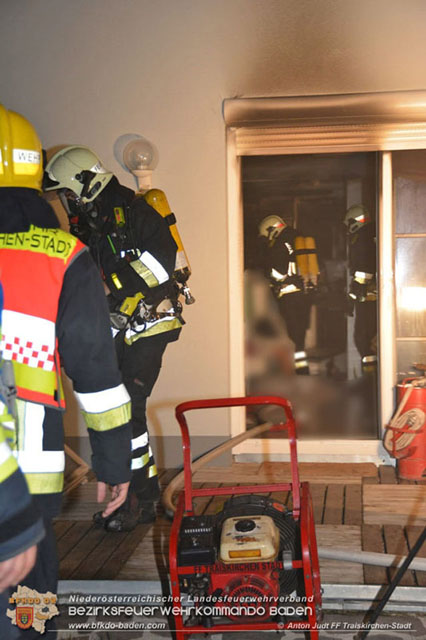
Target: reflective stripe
point(150, 269)
point(140, 441)
point(43, 462)
point(8, 464)
point(102, 401)
point(153, 328)
point(107, 420)
point(369, 359)
point(31, 382)
point(300, 360)
point(290, 288)
point(45, 482)
point(139, 463)
point(152, 471)
point(362, 277)
point(33, 428)
point(5, 452)
point(277, 275)
point(8, 467)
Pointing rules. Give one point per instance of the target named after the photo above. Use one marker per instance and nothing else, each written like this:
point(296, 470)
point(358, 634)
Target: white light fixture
point(141, 157)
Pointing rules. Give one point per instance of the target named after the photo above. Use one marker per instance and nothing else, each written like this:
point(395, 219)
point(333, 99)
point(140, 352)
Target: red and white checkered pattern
point(27, 352)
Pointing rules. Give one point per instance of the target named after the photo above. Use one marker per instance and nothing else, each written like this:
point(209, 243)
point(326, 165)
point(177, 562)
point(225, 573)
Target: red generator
point(253, 566)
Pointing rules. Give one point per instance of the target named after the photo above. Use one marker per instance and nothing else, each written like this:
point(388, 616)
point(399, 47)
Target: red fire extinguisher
point(405, 436)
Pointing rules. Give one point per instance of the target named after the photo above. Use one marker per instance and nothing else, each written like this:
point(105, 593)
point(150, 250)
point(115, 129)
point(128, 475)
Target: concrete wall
point(89, 72)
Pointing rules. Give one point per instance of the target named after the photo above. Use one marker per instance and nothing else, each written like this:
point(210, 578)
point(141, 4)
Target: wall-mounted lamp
point(141, 157)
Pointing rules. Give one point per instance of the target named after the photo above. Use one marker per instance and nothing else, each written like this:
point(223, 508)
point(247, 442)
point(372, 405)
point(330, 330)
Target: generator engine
point(239, 557)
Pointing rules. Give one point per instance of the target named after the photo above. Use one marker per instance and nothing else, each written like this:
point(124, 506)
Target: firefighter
point(136, 254)
point(279, 263)
point(54, 314)
point(21, 525)
point(361, 235)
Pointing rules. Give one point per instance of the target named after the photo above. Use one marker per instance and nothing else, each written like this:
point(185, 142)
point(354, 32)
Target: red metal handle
point(290, 426)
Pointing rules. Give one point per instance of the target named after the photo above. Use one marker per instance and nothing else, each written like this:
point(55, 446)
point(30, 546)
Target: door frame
point(380, 122)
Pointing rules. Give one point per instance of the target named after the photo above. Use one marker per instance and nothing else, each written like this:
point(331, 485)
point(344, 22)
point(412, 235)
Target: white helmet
point(271, 227)
point(356, 217)
point(79, 170)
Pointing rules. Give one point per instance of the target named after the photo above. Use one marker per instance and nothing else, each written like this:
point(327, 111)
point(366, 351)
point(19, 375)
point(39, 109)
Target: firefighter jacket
point(137, 253)
point(55, 313)
point(362, 263)
point(279, 262)
point(20, 525)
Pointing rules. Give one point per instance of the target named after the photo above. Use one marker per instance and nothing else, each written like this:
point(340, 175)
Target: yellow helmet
point(21, 161)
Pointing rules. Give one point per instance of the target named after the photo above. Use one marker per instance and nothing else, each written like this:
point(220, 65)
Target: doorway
point(335, 397)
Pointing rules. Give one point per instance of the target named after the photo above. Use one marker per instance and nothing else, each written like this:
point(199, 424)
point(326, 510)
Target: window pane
point(409, 354)
point(410, 278)
point(409, 170)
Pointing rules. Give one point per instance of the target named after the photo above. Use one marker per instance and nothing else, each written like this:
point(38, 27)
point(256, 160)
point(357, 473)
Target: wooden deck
point(356, 506)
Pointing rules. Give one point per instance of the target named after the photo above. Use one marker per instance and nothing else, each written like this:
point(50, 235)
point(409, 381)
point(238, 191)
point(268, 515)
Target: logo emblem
point(24, 617)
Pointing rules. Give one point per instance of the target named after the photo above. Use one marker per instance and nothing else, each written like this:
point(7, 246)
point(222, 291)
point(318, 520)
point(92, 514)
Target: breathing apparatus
point(157, 199)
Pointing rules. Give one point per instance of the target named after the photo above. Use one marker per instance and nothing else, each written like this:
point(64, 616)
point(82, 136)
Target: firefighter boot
point(130, 514)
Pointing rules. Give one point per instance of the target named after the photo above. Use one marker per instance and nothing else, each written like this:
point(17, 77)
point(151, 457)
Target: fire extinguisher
point(405, 436)
point(157, 199)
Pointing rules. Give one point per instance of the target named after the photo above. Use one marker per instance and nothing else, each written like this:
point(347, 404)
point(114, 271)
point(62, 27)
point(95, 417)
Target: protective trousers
point(140, 365)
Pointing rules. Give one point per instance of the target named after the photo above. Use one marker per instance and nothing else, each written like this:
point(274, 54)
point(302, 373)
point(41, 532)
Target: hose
point(178, 481)
point(369, 557)
point(359, 557)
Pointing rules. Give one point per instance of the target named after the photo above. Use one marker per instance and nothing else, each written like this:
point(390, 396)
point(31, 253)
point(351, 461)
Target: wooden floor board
point(372, 540)
point(394, 504)
point(318, 492)
point(396, 544)
point(387, 474)
point(412, 534)
point(333, 511)
point(70, 564)
point(342, 496)
point(75, 533)
point(342, 537)
point(117, 560)
point(353, 505)
point(60, 527)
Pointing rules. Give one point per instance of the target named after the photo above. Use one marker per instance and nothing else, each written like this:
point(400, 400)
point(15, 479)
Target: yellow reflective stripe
point(34, 378)
point(152, 471)
point(108, 420)
point(139, 463)
point(145, 273)
point(45, 482)
point(54, 243)
point(116, 281)
point(160, 327)
point(7, 468)
point(8, 463)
